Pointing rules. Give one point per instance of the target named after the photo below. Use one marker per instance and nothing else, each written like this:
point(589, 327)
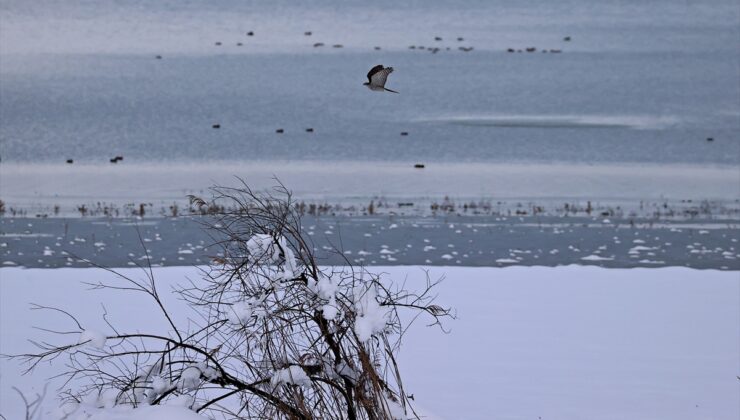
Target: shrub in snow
point(277, 337)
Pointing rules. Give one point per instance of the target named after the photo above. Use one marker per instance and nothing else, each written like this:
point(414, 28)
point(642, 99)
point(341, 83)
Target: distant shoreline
point(119, 190)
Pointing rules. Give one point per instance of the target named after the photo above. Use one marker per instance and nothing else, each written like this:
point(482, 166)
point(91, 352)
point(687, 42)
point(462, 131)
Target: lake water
point(641, 84)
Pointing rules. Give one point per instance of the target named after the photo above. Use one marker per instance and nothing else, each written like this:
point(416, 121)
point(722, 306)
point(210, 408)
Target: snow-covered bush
point(279, 336)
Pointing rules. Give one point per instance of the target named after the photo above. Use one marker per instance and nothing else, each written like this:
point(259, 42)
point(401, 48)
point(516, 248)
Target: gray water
point(638, 83)
point(386, 240)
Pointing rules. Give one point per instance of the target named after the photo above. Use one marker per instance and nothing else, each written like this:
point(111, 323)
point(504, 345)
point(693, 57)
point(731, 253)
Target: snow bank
point(557, 343)
point(164, 412)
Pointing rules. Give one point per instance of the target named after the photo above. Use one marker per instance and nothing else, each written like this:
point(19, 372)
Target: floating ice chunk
point(593, 257)
point(92, 338)
point(507, 261)
point(185, 251)
point(651, 262)
point(637, 249)
point(447, 257)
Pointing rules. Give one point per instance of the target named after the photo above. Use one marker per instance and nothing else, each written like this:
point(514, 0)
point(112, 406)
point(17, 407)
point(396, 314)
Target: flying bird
point(376, 78)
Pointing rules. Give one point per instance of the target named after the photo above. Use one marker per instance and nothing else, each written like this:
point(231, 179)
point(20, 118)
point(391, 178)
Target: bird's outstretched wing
point(379, 77)
point(372, 72)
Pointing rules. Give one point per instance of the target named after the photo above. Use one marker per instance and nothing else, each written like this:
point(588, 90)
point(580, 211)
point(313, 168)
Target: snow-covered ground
point(530, 342)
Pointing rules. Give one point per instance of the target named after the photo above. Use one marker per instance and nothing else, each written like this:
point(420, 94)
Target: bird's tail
point(388, 90)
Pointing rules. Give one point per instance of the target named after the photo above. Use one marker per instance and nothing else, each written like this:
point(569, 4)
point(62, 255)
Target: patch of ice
point(593, 257)
point(651, 262)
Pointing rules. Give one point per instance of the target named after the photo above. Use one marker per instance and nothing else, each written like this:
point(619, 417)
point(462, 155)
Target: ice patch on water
point(594, 257)
point(638, 122)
